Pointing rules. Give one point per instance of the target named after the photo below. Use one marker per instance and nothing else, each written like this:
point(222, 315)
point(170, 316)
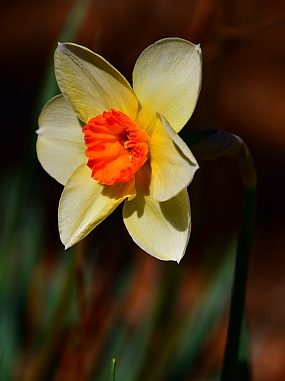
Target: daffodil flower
point(129, 148)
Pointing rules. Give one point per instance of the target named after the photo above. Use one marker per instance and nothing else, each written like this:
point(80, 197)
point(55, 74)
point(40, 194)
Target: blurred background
point(66, 314)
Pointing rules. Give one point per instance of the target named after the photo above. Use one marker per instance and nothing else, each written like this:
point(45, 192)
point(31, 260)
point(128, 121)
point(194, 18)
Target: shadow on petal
point(120, 190)
point(177, 211)
point(142, 184)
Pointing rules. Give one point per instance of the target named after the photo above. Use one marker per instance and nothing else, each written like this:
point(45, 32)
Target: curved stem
point(221, 143)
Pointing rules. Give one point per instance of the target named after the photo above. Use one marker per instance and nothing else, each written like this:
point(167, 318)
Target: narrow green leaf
point(243, 368)
point(112, 371)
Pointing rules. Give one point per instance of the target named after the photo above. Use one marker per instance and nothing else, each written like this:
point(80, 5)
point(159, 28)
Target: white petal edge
point(173, 164)
point(162, 229)
point(60, 143)
point(85, 203)
point(167, 79)
point(90, 84)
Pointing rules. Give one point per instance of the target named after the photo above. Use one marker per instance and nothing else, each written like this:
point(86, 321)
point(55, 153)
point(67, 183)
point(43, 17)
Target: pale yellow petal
point(85, 203)
point(162, 229)
point(90, 84)
point(60, 144)
point(167, 79)
point(173, 164)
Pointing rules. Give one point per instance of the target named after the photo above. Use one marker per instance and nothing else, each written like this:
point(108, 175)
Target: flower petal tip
point(61, 46)
point(181, 255)
point(198, 48)
point(67, 245)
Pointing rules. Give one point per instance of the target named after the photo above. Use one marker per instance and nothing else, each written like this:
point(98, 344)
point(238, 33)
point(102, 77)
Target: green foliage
point(112, 371)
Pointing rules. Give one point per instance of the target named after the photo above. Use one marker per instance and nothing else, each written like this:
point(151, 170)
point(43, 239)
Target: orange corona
point(116, 147)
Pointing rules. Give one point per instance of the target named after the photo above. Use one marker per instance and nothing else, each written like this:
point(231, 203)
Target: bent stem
point(244, 247)
point(220, 143)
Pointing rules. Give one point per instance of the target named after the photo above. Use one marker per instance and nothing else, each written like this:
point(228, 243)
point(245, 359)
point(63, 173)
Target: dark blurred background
point(243, 92)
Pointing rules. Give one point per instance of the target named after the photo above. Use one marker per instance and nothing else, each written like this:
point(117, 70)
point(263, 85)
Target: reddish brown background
point(243, 92)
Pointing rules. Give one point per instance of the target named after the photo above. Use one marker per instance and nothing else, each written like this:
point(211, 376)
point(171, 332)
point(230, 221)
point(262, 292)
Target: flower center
point(116, 147)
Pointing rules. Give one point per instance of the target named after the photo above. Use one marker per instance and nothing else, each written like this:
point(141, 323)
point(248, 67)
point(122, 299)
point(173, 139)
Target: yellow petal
point(60, 144)
point(167, 79)
point(162, 229)
point(85, 203)
point(173, 164)
point(90, 84)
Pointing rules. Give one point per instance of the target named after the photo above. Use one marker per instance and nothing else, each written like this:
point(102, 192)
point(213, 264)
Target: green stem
point(220, 143)
point(239, 285)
